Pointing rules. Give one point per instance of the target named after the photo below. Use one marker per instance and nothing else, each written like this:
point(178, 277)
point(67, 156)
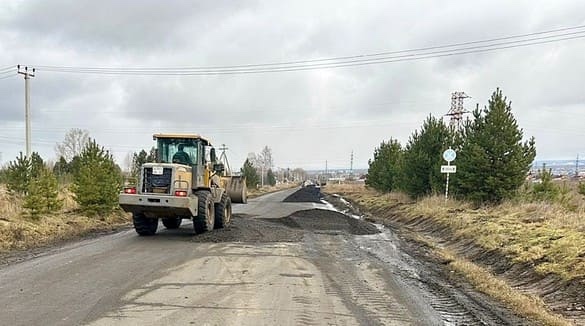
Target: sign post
point(449, 155)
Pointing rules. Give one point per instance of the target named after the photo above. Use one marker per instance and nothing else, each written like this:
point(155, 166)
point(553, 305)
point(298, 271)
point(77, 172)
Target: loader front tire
point(223, 212)
point(172, 223)
point(205, 218)
point(144, 226)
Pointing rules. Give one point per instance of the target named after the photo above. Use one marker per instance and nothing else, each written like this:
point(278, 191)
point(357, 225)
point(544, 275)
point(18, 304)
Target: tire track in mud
point(411, 266)
point(382, 278)
point(370, 305)
point(305, 316)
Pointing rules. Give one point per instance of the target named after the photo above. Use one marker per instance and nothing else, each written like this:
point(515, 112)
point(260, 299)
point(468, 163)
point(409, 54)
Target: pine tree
point(137, 160)
point(249, 171)
point(37, 166)
point(384, 168)
point(97, 181)
point(61, 168)
point(422, 158)
point(493, 161)
point(546, 189)
point(270, 177)
point(18, 175)
point(43, 194)
point(33, 201)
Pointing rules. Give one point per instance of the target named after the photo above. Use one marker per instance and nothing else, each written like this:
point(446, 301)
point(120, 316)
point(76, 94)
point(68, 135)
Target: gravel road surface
point(293, 262)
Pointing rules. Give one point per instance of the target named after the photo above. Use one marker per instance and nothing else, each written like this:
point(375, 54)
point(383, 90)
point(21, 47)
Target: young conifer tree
point(249, 171)
point(493, 161)
point(97, 181)
point(421, 162)
point(384, 168)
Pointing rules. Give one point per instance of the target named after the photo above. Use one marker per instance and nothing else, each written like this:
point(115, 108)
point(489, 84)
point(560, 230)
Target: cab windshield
point(181, 151)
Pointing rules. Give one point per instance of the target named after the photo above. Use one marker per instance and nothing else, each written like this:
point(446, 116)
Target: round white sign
point(449, 155)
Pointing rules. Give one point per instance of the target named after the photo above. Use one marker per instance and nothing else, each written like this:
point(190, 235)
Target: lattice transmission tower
point(457, 110)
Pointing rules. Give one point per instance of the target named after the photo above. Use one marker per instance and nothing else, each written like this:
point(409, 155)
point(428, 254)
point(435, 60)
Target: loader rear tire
point(172, 223)
point(144, 226)
point(223, 212)
point(205, 218)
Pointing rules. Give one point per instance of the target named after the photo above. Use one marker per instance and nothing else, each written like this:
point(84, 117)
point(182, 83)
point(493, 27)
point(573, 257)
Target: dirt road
point(281, 263)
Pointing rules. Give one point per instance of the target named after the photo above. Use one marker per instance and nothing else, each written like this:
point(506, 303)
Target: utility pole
point(224, 160)
point(577, 167)
point(27, 76)
point(456, 112)
point(351, 166)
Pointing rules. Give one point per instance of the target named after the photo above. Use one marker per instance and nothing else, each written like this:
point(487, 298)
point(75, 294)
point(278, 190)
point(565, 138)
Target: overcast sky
point(307, 117)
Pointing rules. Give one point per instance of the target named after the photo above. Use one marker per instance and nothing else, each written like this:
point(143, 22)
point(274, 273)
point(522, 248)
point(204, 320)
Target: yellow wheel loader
point(187, 181)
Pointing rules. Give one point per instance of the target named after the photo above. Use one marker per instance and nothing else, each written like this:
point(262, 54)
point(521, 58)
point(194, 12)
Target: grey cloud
point(295, 113)
point(116, 25)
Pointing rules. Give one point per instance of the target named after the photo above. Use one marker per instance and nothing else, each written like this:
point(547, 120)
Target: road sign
point(449, 155)
point(448, 168)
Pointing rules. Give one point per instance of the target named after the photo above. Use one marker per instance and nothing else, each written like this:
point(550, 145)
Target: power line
point(337, 58)
point(8, 68)
point(313, 64)
point(8, 76)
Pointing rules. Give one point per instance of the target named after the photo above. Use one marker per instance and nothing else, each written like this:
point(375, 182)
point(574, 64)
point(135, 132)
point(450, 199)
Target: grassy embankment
point(18, 231)
point(547, 238)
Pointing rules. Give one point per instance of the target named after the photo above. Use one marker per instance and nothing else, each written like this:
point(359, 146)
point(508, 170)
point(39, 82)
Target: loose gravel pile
point(310, 194)
point(327, 221)
point(247, 229)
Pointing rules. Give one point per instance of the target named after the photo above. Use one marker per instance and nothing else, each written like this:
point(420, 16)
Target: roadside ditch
point(560, 297)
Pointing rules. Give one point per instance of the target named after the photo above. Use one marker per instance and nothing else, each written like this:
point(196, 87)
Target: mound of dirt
point(310, 194)
point(247, 229)
point(326, 221)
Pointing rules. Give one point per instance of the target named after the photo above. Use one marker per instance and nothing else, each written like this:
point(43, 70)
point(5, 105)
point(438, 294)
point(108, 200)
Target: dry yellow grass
point(549, 236)
point(19, 232)
point(526, 305)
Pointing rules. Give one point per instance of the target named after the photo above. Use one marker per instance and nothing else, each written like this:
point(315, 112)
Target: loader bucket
point(235, 187)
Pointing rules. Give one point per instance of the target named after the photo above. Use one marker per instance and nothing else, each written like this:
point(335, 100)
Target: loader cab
point(195, 147)
point(178, 150)
point(190, 150)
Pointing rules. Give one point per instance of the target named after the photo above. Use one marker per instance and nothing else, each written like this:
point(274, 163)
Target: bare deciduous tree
point(265, 158)
point(75, 140)
point(262, 162)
